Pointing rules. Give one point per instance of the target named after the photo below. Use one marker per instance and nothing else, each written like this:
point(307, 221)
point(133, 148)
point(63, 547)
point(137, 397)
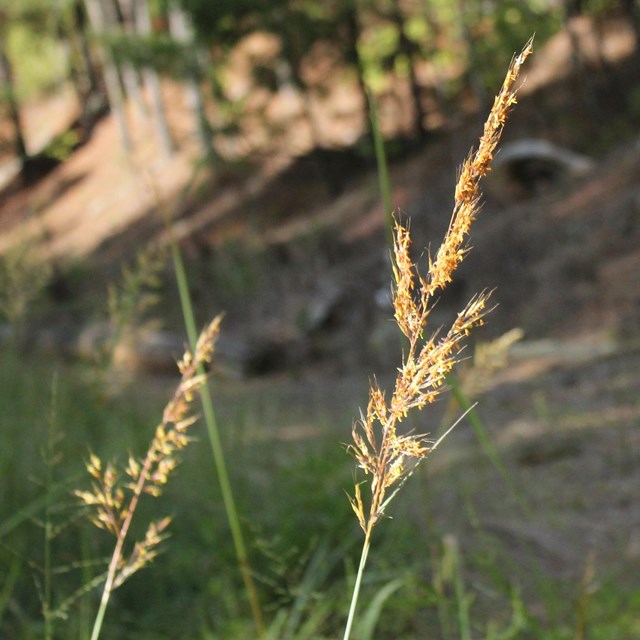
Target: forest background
point(267, 143)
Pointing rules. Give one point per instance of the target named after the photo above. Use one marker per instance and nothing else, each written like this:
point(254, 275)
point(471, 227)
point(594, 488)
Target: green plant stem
point(382, 167)
point(48, 536)
point(461, 599)
point(10, 579)
point(356, 587)
point(481, 434)
point(216, 446)
point(48, 524)
point(117, 552)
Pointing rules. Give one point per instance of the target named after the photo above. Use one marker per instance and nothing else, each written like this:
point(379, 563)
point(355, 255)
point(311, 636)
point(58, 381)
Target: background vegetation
point(479, 545)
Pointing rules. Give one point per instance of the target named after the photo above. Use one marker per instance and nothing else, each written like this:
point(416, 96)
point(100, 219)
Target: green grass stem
point(370, 618)
point(464, 624)
point(491, 452)
point(382, 167)
point(49, 461)
point(356, 587)
point(216, 446)
point(10, 579)
point(208, 409)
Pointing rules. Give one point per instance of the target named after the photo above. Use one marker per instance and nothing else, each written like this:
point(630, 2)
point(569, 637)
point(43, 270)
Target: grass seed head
point(147, 475)
point(385, 456)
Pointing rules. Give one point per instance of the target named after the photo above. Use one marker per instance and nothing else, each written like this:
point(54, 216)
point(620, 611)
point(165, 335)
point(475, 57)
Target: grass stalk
point(386, 455)
point(113, 499)
point(50, 458)
point(358, 583)
point(491, 452)
point(381, 165)
point(208, 410)
point(217, 449)
point(10, 579)
point(464, 624)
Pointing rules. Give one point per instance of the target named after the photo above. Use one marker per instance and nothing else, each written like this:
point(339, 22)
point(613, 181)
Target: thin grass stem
point(49, 461)
point(208, 411)
point(492, 453)
point(216, 447)
point(356, 587)
point(117, 552)
point(10, 580)
point(464, 624)
point(382, 167)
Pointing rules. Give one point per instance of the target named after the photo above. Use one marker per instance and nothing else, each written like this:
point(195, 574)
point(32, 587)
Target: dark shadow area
point(38, 166)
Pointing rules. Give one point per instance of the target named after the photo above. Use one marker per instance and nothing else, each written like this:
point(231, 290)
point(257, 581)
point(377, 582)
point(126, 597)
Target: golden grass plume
point(385, 455)
point(114, 496)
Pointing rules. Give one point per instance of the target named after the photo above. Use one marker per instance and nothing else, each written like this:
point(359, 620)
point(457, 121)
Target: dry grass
point(385, 455)
point(112, 509)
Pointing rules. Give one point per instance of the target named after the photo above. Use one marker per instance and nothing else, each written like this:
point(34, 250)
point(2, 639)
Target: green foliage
point(62, 146)
point(158, 51)
point(293, 495)
point(498, 28)
point(37, 58)
point(23, 277)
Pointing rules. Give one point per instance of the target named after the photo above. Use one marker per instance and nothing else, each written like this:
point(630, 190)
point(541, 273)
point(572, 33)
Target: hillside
point(284, 256)
point(290, 242)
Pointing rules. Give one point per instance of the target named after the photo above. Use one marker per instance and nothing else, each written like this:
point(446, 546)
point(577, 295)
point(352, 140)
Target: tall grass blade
point(382, 167)
point(356, 587)
point(35, 506)
point(7, 589)
point(481, 434)
point(452, 558)
point(216, 445)
point(322, 563)
point(50, 459)
point(371, 616)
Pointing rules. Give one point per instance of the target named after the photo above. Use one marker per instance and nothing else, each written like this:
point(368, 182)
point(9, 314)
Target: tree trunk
point(7, 86)
point(632, 10)
point(66, 42)
point(583, 78)
point(121, 16)
point(407, 48)
point(438, 88)
point(333, 182)
point(475, 79)
point(181, 29)
point(350, 16)
point(111, 78)
point(89, 64)
point(152, 81)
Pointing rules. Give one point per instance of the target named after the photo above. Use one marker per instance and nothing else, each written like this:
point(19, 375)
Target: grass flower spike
point(114, 499)
point(385, 455)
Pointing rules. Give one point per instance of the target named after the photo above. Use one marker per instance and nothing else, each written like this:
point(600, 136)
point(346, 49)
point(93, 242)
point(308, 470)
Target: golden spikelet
point(385, 456)
point(106, 499)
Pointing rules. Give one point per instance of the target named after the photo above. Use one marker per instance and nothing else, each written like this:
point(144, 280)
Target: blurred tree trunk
point(8, 89)
point(474, 78)
point(118, 15)
point(407, 49)
point(71, 31)
point(94, 89)
point(431, 50)
point(292, 54)
point(350, 17)
point(152, 81)
point(66, 42)
point(573, 9)
point(181, 29)
point(632, 11)
point(110, 72)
